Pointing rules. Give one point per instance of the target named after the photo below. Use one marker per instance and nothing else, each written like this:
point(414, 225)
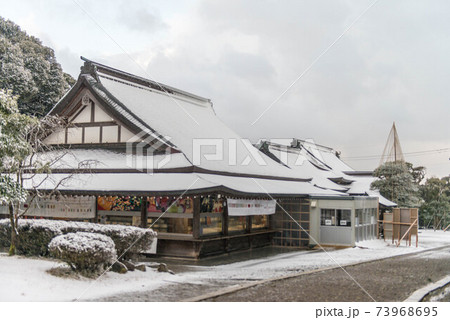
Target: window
point(359, 216)
point(176, 214)
point(237, 224)
point(344, 218)
point(328, 217)
point(260, 222)
point(211, 215)
point(171, 225)
point(336, 217)
point(211, 223)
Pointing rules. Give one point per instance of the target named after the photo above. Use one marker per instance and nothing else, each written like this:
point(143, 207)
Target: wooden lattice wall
point(293, 226)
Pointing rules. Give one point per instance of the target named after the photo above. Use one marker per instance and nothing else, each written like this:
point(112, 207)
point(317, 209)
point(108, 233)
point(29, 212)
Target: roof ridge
point(139, 80)
point(143, 87)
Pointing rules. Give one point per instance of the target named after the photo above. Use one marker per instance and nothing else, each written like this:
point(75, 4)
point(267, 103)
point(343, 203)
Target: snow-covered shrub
point(35, 235)
point(128, 240)
point(84, 251)
point(5, 234)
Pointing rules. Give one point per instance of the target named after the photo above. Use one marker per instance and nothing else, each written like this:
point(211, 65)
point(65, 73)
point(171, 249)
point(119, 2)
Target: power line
point(411, 154)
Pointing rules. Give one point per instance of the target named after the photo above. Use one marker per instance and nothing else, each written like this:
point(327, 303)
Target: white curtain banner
point(244, 207)
point(81, 207)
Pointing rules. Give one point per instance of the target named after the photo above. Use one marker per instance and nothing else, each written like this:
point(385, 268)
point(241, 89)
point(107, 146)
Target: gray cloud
point(140, 18)
point(391, 66)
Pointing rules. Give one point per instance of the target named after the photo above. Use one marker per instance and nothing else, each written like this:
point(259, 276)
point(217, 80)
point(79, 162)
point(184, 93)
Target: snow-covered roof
point(192, 126)
point(322, 163)
point(361, 186)
point(112, 160)
point(300, 162)
point(174, 183)
point(205, 153)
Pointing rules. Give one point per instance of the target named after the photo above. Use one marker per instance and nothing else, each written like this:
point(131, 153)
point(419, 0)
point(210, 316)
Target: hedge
point(35, 235)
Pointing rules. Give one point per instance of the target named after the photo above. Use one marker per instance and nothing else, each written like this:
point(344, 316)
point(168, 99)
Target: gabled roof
point(182, 120)
point(188, 124)
point(328, 170)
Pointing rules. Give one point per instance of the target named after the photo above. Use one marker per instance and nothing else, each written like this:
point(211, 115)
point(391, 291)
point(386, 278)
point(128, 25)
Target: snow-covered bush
point(5, 234)
point(35, 235)
point(84, 251)
point(127, 239)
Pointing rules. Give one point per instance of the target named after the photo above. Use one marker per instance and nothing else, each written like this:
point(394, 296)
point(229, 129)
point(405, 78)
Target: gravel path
point(171, 293)
point(387, 280)
point(392, 279)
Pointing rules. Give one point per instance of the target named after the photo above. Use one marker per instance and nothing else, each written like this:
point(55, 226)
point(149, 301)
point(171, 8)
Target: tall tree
point(26, 162)
point(13, 130)
point(397, 184)
point(435, 209)
point(30, 70)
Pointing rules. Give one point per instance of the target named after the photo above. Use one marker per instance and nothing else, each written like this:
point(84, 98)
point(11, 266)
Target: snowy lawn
point(26, 279)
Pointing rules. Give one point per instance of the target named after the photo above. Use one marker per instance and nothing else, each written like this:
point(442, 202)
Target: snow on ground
point(26, 279)
point(286, 263)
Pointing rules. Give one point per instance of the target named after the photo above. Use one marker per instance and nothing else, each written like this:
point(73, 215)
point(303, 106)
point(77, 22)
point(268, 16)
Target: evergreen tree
point(14, 128)
point(396, 183)
point(21, 153)
point(435, 209)
point(30, 70)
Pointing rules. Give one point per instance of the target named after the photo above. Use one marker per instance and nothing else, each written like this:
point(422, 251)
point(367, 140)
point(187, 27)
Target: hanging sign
point(245, 207)
point(81, 207)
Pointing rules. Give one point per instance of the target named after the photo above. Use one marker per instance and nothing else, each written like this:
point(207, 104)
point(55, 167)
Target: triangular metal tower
point(392, 150)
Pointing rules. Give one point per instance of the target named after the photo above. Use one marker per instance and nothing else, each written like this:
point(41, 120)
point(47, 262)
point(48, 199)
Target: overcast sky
point(392, 64)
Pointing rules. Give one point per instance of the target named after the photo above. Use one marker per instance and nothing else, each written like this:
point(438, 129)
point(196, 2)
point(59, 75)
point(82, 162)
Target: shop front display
point(119, 210)
point(211, 215)
point(170, 215)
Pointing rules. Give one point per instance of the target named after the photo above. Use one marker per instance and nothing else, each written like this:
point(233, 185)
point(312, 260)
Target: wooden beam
point(96, 210)
point(196, 220)
point(225, 224)
point(409, 229)
point(144, 223)
point(92, 111)
point(93, 124)
point(78, 113)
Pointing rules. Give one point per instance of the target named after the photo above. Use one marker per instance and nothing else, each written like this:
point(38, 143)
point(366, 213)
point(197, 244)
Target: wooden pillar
point(378, 221)
point(225, 224)
point(144, 215)
point(96, 210)
point(196, 218)
point(225, 218)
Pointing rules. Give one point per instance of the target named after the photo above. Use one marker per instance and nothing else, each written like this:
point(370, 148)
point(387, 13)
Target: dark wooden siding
point(293, 226)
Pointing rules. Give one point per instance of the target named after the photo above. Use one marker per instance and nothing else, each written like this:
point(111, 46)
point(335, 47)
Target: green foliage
point(435, 209)
point(396, 183)
point(35, 235)
point(418, 173)
point(30, 70)
point(11, 190)
point(14, 128)
point(14, 146)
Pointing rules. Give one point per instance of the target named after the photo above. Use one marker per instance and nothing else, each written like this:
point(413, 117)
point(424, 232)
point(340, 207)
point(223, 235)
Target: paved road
point(392, 279)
